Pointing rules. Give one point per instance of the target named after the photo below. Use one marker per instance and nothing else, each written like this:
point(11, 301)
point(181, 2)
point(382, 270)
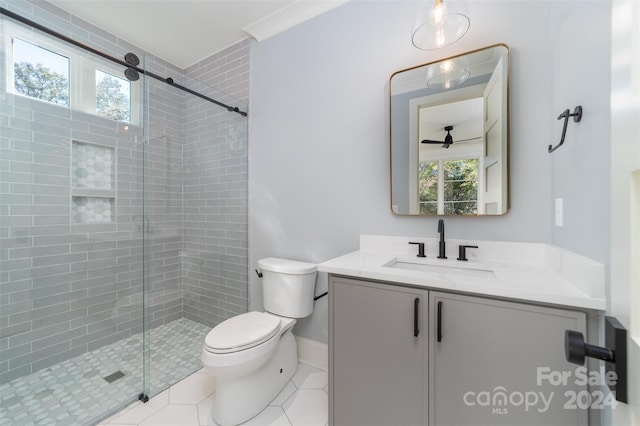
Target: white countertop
point(521, 271)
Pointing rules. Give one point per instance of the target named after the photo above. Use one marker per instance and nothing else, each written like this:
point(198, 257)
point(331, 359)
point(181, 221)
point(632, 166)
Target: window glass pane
point(429, 208)
point(460, 207)
point(40, 73)
point(113, 96)
point(461, 186)
point(428, 187)
point(428, 181)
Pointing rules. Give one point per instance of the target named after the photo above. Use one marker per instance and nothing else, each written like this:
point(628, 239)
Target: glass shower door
point(172, 341)
point(196, 195)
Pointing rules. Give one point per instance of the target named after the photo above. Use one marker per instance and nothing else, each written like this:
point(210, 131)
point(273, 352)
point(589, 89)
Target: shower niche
point(93, 194)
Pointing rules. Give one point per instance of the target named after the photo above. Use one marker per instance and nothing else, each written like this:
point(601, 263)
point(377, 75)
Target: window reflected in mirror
point(448, 186)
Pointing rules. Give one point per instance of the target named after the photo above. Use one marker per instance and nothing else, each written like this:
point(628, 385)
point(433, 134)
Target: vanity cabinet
point(498, 363)
point(378, 354)
point(474, 361)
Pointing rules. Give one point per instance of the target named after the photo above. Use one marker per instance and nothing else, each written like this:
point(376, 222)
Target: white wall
point(580, 167)
point(319, 131)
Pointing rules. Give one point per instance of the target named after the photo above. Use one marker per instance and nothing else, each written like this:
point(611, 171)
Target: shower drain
point(114, 376)
point(43, 394)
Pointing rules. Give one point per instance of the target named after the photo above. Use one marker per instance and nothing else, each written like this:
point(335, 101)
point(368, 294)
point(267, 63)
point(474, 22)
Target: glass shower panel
point(71, 246)
point(196, 208)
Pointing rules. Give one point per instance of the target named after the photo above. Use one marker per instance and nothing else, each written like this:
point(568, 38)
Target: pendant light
point(438, 26)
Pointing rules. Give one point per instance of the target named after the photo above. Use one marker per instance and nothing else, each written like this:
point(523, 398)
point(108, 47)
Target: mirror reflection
point(449, 135)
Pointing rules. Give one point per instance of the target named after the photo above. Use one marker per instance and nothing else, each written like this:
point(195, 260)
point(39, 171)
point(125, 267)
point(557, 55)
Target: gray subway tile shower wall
point(71, 262)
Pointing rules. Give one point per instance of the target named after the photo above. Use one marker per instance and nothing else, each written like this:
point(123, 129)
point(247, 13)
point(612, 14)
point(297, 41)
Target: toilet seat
point(242, 332)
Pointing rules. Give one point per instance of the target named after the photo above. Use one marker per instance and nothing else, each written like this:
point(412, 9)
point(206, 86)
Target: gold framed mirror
point(449, 135)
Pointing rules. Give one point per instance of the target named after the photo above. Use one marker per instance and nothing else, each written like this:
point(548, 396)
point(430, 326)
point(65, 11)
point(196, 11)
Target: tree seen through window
point(112, 97)
point(428, 187)
point(461, 186)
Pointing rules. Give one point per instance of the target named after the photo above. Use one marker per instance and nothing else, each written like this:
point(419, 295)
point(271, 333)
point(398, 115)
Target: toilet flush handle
point(320, 296)
point(259, 273)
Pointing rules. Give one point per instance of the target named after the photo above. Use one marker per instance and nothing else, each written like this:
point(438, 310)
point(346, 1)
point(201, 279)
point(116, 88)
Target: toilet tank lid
point(285, 266)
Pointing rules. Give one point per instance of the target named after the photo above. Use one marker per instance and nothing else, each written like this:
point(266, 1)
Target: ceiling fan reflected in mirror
point(448, 139)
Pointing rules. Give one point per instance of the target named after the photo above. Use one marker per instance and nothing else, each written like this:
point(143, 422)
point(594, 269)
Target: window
point(448, 186)
point(113, 96)
point(43, 68)
point(40, 73)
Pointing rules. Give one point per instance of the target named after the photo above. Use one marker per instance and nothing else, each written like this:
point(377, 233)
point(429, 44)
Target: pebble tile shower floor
point(75, 391)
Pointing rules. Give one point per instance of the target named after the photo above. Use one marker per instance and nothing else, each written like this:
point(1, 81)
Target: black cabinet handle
point(439, 321)
point(416, 310)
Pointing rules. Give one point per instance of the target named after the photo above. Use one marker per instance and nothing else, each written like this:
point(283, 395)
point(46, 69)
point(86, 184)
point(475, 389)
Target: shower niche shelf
point(93, 195)
point(92, 209)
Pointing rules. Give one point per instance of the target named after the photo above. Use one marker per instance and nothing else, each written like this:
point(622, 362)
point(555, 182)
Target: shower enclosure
point(123, 228)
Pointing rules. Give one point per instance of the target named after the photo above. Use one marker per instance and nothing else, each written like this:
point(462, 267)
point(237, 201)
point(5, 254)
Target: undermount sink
point(471, 269)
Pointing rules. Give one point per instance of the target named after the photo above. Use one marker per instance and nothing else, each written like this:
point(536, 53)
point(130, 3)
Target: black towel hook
point(577, 116)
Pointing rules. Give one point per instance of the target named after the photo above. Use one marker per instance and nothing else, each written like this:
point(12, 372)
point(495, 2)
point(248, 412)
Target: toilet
point(254, 355)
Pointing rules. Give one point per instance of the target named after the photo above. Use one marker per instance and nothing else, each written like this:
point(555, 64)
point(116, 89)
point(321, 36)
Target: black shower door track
point(167, 80)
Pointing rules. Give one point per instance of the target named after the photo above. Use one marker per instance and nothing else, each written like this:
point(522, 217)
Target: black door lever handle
point(614, 354)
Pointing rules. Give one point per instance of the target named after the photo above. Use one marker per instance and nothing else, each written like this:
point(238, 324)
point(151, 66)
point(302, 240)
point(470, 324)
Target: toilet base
point(241, 398)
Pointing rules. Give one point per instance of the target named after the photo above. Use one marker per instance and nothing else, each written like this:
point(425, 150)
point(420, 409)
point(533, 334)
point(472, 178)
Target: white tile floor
point(303, 402)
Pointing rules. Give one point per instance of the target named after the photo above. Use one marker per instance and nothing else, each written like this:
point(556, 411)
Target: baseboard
point(314, 353)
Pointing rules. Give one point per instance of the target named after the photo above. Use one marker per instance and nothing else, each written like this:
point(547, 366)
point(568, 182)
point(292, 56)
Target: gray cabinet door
point(377, 367)
point(498, 363)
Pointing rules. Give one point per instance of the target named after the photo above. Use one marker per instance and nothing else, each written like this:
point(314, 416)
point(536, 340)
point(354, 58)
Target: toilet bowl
point(254, 355)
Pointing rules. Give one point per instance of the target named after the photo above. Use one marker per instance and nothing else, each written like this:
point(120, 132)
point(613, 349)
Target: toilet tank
point(288, 286)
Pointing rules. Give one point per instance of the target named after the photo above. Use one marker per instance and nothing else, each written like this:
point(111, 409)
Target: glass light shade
point(437, 26)
point(447, 74)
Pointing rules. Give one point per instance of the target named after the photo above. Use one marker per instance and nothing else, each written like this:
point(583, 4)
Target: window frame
point(82, 73)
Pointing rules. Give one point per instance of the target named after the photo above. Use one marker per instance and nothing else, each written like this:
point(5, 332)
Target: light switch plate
point(559, 212)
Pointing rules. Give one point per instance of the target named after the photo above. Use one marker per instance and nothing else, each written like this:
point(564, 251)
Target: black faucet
point(442, 252)
point(462, 252)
